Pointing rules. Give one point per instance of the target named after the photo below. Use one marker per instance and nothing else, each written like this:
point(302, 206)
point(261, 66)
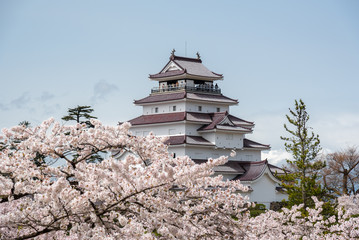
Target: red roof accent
point(187, 139)
point(240, 121)
point(168, 74)
point(211, 97)
point(192, 66)
point(204, 118)
point(230, 167)
point(246, 170)
point(174, 57)
point(183, 95)
point(161, 98)
point(217, 118)
point(252, 144)
point(199, 117)
point(158, 118)
point(253, 170)
point(176, 140)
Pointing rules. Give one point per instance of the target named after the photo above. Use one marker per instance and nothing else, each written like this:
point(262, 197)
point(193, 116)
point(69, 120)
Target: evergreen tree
point(302, 180)
point(80, 114)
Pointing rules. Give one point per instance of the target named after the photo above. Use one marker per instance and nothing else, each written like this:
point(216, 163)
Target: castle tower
point(188, 106)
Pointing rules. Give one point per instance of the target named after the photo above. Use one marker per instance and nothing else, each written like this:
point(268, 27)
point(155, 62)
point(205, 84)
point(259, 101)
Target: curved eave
point(212, 101)
point(191, 145)
point(256, 148)
point(159, 123)
point(227, 130)
point(159, 101)
point(228, 101)
point(270, 175)
point(267, 171)
point(185, 76)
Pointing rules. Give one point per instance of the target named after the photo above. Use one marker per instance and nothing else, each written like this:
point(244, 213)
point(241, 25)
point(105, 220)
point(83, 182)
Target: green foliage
point(257, 210)
point(25, 124)
point(154, 232)
point(302, 180)
point(80, 114)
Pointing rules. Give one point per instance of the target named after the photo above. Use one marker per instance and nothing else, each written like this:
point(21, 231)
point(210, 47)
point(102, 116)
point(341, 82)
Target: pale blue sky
point(59, 54)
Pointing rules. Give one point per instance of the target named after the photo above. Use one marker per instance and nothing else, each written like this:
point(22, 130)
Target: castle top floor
point(186, 74)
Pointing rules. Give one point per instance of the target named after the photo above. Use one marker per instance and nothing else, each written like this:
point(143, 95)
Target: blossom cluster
point(51, 188)
point(147, 195)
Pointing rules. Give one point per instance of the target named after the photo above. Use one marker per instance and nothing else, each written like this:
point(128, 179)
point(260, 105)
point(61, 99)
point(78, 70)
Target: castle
point(188, 106)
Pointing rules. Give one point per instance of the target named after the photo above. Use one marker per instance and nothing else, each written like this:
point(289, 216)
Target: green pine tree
point(302, 180)
point(80, 114)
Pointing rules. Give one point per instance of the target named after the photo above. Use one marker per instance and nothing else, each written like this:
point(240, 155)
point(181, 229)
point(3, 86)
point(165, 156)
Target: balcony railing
point(198, 88)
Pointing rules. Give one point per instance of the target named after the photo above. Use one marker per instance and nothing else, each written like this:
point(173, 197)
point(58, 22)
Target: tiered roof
point(210, 121)
point(198, 140)
point(246, 170)
point(184, 67)
point(186, 95)
point(223, 121)
point(254, 145)
point(231, 167)
point(187, 139)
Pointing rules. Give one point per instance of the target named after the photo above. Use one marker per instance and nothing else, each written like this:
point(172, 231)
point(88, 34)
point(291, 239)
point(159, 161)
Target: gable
point(226, 121)
point(267, 176)
point(171, 66)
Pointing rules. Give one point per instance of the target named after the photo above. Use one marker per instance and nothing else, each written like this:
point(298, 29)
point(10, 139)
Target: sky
point(55, 55)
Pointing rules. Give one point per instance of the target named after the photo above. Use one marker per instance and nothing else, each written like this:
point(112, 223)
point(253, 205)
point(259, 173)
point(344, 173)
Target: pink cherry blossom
point(50, 189)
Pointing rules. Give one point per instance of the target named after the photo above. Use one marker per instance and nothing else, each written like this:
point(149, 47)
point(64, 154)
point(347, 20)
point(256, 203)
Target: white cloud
point(21, 101)
point(101, 90)
point(338, 131)
point(45, 96)
point(277, 157)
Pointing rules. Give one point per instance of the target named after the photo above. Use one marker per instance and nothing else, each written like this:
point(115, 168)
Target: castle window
point(174, 108)
point(200, 108)
point(218, 109)
point(156, 109)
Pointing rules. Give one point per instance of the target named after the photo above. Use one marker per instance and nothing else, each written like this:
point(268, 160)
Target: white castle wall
point(264, 191)
point(183, 106)
point(206, 108)
point(191, 128)
point(164, 108)
point(159, 129)
point(211, 152)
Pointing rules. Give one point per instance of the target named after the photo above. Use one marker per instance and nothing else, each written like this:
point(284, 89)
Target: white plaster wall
point(159, 130)
point(191, 128)
point(209, 136)
point(249, 155)
point(206, 108)
point(264, 191)
point(229, 140)
point(178, 150)
point(164, 108)
point(211, 152)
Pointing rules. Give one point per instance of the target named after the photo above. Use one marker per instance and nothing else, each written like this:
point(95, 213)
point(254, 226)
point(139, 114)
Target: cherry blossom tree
point(147, 195)
point(291, 224)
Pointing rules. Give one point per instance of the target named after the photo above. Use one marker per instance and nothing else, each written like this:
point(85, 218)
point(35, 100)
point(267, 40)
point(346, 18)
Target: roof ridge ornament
point(198, 56)
point(172, 54)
